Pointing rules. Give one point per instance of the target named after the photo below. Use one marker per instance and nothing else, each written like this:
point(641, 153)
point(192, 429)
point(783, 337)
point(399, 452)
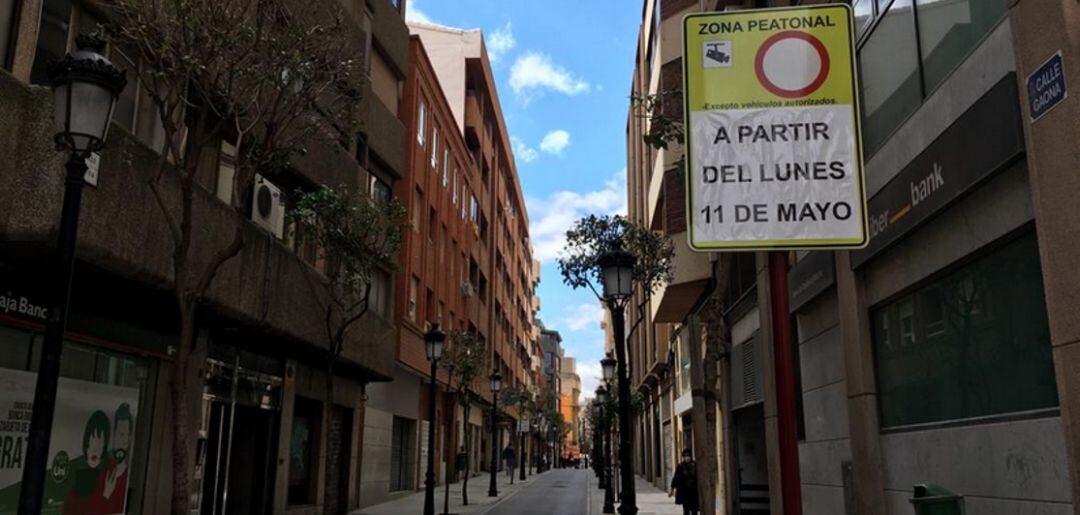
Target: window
point(474, 209)
point(379, 299)
point(435, 147)
point(890, 74)
point(421, 120)
point(455, 184)
point(52, 41)
point(303, 451)
point(7, 24)
point(431, 225)
point(381, 191)
point(418, 207)
point(226, 172)
point(446, 167)
point(949, 30)
point(908, 48)
point(973, 343)
point(414, 290)
point(429, 306)
point(442, 244)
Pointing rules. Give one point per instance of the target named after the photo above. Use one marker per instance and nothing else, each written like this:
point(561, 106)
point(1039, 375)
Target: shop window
point(890, 80)
point(99, 392)
point(974, 343)
point(304, 451)
point(7, 30)
point(949, 30)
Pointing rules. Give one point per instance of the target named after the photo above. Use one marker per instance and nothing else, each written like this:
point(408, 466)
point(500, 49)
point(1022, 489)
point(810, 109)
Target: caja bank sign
point(981, 142)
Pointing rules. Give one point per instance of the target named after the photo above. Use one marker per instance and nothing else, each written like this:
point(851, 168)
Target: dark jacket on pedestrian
point(685, 484)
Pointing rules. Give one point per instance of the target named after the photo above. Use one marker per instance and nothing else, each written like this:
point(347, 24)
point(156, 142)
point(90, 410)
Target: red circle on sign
point(823, 73)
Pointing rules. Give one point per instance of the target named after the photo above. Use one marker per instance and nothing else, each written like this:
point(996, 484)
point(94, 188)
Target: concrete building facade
point(291, 451)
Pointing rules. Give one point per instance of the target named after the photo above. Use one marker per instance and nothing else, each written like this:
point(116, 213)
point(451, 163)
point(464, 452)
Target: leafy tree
point(357, 238)
point(270, 77)
point(464, 361)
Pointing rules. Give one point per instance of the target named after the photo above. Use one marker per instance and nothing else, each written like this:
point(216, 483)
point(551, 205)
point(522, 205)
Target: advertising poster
point(90, 452)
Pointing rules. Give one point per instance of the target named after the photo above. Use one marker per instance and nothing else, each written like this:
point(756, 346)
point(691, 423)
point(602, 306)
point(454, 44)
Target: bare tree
point(464, 360)
point(268, 76)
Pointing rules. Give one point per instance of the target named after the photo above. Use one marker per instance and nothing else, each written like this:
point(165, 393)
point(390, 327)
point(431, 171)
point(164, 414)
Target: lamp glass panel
point(611, 281)
point(90, 108)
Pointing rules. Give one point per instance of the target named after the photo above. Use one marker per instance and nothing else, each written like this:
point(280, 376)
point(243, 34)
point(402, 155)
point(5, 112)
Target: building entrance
point(238, 440)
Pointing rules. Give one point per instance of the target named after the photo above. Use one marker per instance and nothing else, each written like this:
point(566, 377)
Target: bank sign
point(774, 149)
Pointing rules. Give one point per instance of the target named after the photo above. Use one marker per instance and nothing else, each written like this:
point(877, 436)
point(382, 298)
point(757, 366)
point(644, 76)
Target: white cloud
point(551, 217)
point(500, 42)
point(555, 142)
point(533, 73)
point(583, 316)
point(590, 373)
point(414, 14)
point(522, 151)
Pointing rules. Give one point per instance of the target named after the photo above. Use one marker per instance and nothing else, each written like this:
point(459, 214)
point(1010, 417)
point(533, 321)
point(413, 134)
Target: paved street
point(556, 492)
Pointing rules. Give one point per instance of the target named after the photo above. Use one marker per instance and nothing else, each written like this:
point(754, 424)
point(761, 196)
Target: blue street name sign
point(1046, 87)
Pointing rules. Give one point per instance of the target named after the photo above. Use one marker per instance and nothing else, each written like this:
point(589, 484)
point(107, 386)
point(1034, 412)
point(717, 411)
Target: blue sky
point(563, 72)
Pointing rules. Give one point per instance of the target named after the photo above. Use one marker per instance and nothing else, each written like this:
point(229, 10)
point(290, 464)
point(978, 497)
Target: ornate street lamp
point(617, 272)
point(609, 497)
point(496, 385)
point(433, 341)
point(607, 365)
point(85, 88)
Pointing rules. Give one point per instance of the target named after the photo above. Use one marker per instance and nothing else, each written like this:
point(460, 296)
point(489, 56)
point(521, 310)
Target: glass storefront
point(973, 343)
point(101, 434)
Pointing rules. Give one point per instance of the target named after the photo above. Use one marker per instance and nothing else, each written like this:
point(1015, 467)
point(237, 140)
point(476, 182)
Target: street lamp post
point(85, 88)
point(433, 339)
point(616, 273)
point(609, 498)
point(523, 428)
point(496, 385)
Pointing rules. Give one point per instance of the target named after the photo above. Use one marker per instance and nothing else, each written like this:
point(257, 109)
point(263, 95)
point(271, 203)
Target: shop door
point(237, 457)
point(239, 477)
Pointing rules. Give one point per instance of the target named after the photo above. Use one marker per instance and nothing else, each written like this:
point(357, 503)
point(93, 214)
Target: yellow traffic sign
point(774, 152)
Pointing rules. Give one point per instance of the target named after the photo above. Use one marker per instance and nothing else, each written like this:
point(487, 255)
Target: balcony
point(474, 120)
point(122, 232)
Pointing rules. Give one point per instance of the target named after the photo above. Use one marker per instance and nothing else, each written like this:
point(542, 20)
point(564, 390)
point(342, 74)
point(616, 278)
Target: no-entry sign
point(772, 117)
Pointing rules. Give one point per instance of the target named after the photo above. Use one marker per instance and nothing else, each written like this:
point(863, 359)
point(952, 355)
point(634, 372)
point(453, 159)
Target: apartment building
point(942, 352)
point(269, 442)
point(568, 406)
point(466, 264)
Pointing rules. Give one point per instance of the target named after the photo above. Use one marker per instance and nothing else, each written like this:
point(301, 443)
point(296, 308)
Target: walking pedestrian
point(508, 455)
point(684, 484)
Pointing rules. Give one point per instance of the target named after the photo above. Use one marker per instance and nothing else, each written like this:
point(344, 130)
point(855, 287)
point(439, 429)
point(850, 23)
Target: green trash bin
point(932, 499)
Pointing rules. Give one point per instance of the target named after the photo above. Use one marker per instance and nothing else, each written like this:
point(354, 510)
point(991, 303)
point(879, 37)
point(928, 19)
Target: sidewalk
point(479, 502)
point(650, 500)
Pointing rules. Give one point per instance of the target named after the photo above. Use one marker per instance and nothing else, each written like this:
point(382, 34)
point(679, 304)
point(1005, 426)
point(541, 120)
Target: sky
point(562, 70)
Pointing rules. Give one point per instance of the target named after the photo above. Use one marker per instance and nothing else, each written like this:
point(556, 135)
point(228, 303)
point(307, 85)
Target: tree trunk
point(704, 359)
point(468, 456)
point(179, 393)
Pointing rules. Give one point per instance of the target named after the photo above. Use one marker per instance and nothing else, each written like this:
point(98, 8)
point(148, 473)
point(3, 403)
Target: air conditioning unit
point(267, 206)
point(466, 289)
